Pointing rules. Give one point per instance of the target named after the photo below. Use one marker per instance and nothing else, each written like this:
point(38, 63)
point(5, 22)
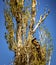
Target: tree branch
point(42, 18)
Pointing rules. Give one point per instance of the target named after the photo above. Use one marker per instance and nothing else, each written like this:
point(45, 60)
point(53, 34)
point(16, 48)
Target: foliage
point(28, 51)
point(46, 39)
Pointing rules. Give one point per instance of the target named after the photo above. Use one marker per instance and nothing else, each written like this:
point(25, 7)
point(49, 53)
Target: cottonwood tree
point(19, 21)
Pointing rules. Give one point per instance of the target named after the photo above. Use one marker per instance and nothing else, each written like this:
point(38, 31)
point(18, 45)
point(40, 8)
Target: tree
point(19, 34)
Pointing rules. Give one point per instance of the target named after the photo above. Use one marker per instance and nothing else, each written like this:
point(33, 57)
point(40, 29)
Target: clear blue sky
point(5, 54)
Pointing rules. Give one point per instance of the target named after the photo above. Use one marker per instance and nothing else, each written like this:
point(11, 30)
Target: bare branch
point(42, 18)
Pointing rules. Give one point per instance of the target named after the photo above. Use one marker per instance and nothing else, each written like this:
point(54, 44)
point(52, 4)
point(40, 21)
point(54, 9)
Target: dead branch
point(42, 18)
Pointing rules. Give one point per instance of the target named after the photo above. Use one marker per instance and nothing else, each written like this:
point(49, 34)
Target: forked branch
point(42, 18)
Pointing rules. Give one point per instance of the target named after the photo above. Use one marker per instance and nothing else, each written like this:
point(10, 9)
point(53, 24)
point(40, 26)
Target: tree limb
point(42, 18)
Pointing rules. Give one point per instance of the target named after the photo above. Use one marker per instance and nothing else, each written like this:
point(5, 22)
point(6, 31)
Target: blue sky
point(5, 54)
